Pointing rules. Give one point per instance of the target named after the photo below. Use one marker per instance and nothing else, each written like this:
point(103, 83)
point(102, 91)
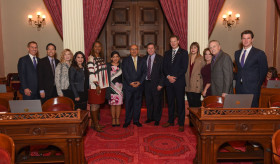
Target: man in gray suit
point(221, 70)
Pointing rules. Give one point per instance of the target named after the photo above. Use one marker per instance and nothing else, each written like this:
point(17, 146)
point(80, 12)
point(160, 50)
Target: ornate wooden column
point(198, 22)
point(73, 25)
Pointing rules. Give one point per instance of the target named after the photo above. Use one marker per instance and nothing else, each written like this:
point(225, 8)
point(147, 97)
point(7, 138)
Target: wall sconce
point(39, 23)
point(229, 22)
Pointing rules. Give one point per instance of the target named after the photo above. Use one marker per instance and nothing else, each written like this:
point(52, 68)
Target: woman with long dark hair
point(78, 78)
point(206, 73)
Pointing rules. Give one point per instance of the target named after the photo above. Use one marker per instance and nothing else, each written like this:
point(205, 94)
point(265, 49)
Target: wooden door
point(134, 22)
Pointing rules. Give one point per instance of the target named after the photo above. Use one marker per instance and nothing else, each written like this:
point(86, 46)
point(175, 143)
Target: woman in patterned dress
point(114, 93)
point(98, 79)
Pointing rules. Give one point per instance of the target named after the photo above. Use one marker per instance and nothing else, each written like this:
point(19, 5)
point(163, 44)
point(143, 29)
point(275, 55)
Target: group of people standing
point(179, 72)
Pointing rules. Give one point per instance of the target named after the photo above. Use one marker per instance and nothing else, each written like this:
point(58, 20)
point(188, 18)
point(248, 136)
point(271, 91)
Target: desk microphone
point(269, 150)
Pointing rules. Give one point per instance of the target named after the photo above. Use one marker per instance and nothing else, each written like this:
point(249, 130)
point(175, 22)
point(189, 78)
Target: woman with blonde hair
point(61, 74)
point(98, 80)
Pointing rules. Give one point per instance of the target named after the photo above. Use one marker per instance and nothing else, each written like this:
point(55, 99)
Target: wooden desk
point(265, 95)
point(216, 126)
point(64, 130)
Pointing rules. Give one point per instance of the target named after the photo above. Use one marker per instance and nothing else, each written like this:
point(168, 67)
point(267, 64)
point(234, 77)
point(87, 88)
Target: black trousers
point(133, 102)
point(194, 99)
point(82, 103)
point(153, 101)
point(49, 94)
point(176, 92)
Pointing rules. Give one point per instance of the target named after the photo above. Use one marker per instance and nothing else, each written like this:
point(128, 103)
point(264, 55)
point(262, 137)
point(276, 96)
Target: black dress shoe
point(125, 125)
point(156, 123)
point(148, 121)
point(137, 124)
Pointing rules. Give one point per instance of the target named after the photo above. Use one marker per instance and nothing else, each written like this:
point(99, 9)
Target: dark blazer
point(28, 76)
point(253, 73)
point(46, 76)
point(221, 74)
point(178, 68)
point(131, 75)
point(108, 89)
point(157, 77)
point(79, 80)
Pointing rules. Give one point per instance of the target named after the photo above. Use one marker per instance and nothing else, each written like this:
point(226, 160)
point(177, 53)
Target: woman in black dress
point(206, 73)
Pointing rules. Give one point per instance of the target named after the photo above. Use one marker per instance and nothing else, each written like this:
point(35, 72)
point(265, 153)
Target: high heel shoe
point(113, 122)
point(117, 122)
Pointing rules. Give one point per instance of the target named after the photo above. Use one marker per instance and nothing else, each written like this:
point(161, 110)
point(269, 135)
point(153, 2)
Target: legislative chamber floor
point(144, 145)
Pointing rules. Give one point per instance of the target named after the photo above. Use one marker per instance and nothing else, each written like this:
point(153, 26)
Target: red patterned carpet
point(148, 144)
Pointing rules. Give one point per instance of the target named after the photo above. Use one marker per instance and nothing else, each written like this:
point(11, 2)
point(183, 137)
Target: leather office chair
point(58, 104)
point(4, 105)
point(276, 147)
point(213, 102)
point(274, 101)
point(7, 149)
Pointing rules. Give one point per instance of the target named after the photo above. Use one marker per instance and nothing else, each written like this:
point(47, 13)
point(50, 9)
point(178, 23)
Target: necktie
point(149, 68)
point(34, 62)
point(53, 68)
point(135, 63)
point(243, 58)
point(213, 61)
point(173, 56)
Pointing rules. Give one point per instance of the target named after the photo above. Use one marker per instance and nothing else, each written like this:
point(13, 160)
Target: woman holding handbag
point(98, 81)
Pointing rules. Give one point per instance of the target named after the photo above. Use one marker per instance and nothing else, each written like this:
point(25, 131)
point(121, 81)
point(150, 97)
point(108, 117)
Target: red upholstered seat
point(274, 101)
point(5, 157)
point(213, 102)
point(59, 107)
point(58, 104)
point(7, 149)
point(276, 146)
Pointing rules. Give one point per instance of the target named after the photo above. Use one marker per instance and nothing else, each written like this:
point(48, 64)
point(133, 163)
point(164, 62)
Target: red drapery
point(95, 14)
point(278, 4)
point(176, 13)
point(215, 7)
point(55, 10)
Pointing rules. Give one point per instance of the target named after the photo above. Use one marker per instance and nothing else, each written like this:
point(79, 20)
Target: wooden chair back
point(12, 77)
point(4, 105)
point(58, 104)
point(213, 102)
point(7, 144)
point(274, 101)
point(276, 147)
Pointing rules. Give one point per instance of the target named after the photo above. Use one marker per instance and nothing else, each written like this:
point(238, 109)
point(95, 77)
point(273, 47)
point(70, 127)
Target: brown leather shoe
point(181, 128)
point(167, 124)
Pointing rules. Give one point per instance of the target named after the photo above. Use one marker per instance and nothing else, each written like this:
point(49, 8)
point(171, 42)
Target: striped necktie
point(173, 56)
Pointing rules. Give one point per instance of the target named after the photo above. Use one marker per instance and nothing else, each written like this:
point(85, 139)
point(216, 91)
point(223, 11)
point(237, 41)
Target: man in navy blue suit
point(175, 65)
point(134, 72)
point(251, 68)
point(153, 84)
point(27, 71)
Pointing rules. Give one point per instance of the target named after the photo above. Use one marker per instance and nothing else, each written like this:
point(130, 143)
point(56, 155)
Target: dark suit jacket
point(253, 73)
point(157, 77)
point(27, 75)
point(131, 75)
point(45, 75)
point(221, 74)
point(79, 80)
point(178, 68)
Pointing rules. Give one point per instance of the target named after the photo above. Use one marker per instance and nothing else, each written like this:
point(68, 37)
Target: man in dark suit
point(221, 70)
point(153, 85)
point(134, 72)
point(252, 68)
point(27, 71)
point(46, 74)
point(175, 65)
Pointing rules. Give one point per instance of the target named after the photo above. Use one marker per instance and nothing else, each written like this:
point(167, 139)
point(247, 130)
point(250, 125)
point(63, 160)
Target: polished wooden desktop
point(63, 129)
point(265, 95)
point(216, 126)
